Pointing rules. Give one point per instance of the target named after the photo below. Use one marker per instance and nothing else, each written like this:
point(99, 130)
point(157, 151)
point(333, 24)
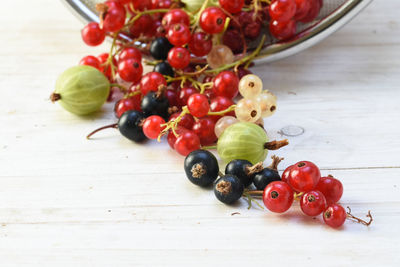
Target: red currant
point(151, 81)
point(278, 197)
point(212, 20)
point(232, 6)
point(179, 57)
point(286, 173)
point(171, 137)
point(226, 84)
point(179, 34)
point(92, 35)
point(204, 128)
point(139, 5)
point(130, 70)
point(302, 8)
point(200, 44)
point(90, 61)
point(175, 16)
point(152, 126)
point(130, 52)
point(114, 18)
point(233, 40)
point(184, 95)
point(198, 105)
point(186, 121)
point(172, 97)
point(220, 103)
point(187, 142)
point(106, 67)
point(143, 25)
point(331, 188)
point(304, 176)
point(313, 203)
point(282, 10)
point(313, 12)
point(282, 30)
point(335, 215)
point(125, 104)
point(161, 4)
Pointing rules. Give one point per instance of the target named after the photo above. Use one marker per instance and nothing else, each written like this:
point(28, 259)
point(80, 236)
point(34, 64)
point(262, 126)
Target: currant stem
point(120, 86)
point(222, 112)
point(254, 192)
point(208, 147)
point(114, 125)
point(275, 162)
point(274, 145)
point(250, 199)
point(359, 220)
point(250, 170)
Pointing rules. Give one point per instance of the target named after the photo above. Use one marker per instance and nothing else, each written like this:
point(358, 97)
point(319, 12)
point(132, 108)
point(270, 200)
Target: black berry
point(129, 125)
point(160, 47)
point(268, 175)
point(155, 103)
point(201, 167)
point(165, 69)
point(228, 189)
point(243, 169)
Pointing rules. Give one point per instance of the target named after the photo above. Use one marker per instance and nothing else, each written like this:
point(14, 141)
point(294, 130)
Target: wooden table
point(67, 201)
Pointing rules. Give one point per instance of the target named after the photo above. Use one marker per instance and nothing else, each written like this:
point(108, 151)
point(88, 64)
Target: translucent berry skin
point(226, 84)
point(130, 52)
point(92, 35)
point(212, 20)
point(313, 203)
point(175, 16)
point(267, 102)
point(219, 55)
point(200, 44)
point(171, 138)
point(187, 142)
point(286, 173)
point(209, 167)
point(204, 129)
point(228, 189)
point(114, 18)
point(220, 103)
point(278, 197)
point(90, 61)
point(302, 8)
point(198, 105)
point(125, 104)
point(178, 34)
point(334, 216)
point(313, 12)
point(130, 70)
point(142, 26)
point(282, 10)
point(331, 188)
point(179, 57)
point(152, 126)
point(247, 110)
point(224, 123)
point(304, 176)
point(184, 95)
point(232, 6)
point(151, 81)
point(282, 30)
point(250, 86)
point(172, 97)
point(187, 121)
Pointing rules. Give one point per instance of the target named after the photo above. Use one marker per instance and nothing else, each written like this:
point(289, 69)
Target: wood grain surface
point(67, 201)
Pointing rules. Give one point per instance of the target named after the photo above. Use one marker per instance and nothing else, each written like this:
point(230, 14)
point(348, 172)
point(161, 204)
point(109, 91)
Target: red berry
point(331, 188)
point(104, 67)
point(313, 203)
point(126, 104)
point(220, 103)
point(278, 197)
point(175, 16)
point(187, 142)
point(282, 10)
point(204, 128)
point(200, 44)
point(123, 2)
point(141, 26)
point(286, 173)
point(186, 121)
point(139, 5)
point(315, 7)
point(151, 81)
point(335, 215)
point(198, 105)
point(179, 57)
point(179, 34)
point(302, 8)
point(232, 6)
point(233, 40)
point(304, 176)
point(161, 4)
point(130, 52)
point(130, 70)
point(184, 95)
point(90, 61)
point(226, 84)
point(171, 137)
point(152, 126)
point(282, 30)
point(242, 72)
point(212, 20)
point(114, 18)
point(92, 35)
point(172, 97)
point(252, 30)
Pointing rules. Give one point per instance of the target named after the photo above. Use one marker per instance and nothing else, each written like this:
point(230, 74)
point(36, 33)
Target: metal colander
point(334, 14)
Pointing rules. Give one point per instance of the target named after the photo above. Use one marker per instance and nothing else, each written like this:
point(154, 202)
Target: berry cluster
point(301, 181)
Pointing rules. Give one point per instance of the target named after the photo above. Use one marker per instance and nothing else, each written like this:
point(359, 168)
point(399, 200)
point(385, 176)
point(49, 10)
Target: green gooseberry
point(81, 90)
point(247, 141)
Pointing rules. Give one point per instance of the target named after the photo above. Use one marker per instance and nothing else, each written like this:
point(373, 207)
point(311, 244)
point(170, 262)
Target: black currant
point(129, 125)
point(160, 47)
point(155, 103)
point(244, 170)
point(165, 69)
point(228, 188)
point(201, 167)
point(268, 175)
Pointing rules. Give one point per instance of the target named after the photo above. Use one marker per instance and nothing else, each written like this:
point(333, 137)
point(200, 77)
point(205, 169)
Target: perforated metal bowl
point(334, 14)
